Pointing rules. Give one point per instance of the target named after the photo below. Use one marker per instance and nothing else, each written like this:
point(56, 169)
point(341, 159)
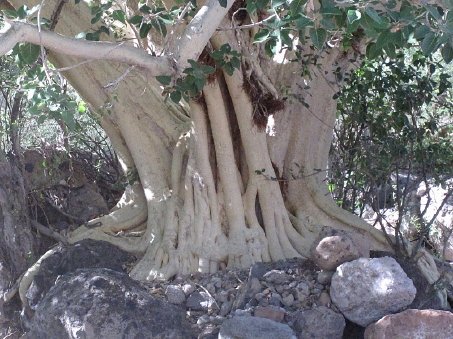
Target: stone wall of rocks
point(338, 297)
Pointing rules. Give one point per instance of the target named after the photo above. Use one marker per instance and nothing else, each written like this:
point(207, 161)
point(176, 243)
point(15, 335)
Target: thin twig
point(248, 26)
point(48, 232)
point(74, 66)
point(117, 81)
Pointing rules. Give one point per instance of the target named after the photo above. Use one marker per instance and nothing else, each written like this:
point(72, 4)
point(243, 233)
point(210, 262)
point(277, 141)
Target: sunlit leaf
point(354, 15)
point(261, 36)
point(119, 15)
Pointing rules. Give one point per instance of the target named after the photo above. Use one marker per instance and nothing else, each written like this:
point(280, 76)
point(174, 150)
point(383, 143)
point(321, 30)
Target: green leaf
point(373, 14)
point(372, 51)
point(29, 53)
point(276, 3)
point(34, 110)
point(354, 15)
point(229, 69)
point(235, 62)
point(285, 38)
point(329, 23)
point(296, 6)
point(390, 50)
point(68, 118)
point(447, 53)
point(223, 3)
point(175, 96)
point(135, 20)
point(318, 36)
point(433, 11)
point(421, 31)
point(331, 11)
point(144, 29)
point(225, 48)
point(261, 36)
point(352, 27)
point(385, 38)
point(22, 12)
point(164, 80)
point(93, 36)
point(207, 69)
point(166, 19)
point(270, 48)
point(145, 9)
point(10, 13)
point(104, 29)
point(96, 18)
point(119, 15)
point(199, 82)
point(303, 22)
point(429, 43)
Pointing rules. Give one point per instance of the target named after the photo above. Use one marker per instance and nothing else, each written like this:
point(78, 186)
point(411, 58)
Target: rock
point(426, 324)
point(288, 300)
point(319, 323)
point(175, 294)
point(276, 277)
point(86, 203)
point(324, 299)
point(87, 253)
point(200, 301)
point(302, 291)
point(188, 288)
point(246, 292)
point(324, 277)
point(365, 290)
point(270, 312)
point(257, 270)
point(101, 303)
point(248, 327)
point(275, 299)
point(427, 296)
point(329, 252)
point(360, 239)
point(225, 308)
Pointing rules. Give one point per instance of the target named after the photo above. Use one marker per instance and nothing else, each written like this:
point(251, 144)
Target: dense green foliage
point(393, 133)
point(394, 118)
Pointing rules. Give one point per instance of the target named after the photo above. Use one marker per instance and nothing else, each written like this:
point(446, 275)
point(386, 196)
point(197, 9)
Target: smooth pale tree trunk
point(200, 204)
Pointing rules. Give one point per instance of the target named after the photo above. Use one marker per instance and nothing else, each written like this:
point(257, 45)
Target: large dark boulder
point(87, 253)
point(101, 303)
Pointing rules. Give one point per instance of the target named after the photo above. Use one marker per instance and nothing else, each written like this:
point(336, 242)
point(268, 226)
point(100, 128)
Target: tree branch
point(200, 29)
point(14, 32)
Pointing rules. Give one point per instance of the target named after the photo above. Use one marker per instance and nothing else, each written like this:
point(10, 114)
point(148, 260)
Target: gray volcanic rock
point(101, 303)
point(248, 327)
point(86, 253)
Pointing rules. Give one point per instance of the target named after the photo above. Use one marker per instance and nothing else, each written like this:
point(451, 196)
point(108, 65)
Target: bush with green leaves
point(393, 132)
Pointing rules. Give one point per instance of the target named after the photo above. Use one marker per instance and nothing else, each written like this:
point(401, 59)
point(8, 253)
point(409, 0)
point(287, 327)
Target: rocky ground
point(279, 291)
point(83, 291)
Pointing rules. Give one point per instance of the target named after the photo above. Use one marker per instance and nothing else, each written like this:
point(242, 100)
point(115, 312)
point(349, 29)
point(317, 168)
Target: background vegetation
point(392, 137)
